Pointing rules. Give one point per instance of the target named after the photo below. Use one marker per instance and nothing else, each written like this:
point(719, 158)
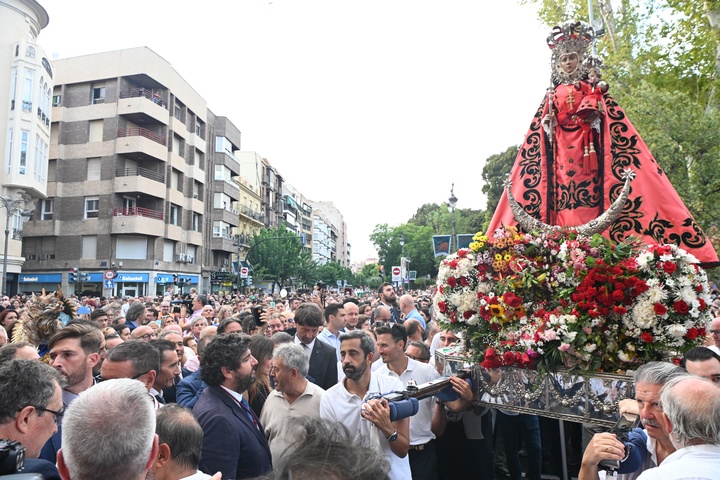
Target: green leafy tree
point(276, 255)
point(494, 172)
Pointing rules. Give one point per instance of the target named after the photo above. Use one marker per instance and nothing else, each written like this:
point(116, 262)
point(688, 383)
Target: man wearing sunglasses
point(31, 407)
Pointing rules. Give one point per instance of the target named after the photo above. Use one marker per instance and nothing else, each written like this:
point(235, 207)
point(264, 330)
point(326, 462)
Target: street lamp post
point(12, 207)
point(402, 251)
point(452, 201)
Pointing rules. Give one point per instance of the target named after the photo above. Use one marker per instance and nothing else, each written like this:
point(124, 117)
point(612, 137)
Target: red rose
point(490, 352)
point(467, 314)
point(681, 307)
point(699, 288)
point(703, 305)
point(452, 281)
point(464, 281)
point(509, 358)
point(620, 310)
point(692, 333)
point(660, 309)
point(618, 295)
point(647, 337)
point(669, 267)
point(491, 363)
point(443, 307)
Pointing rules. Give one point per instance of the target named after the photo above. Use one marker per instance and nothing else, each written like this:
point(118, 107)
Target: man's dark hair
point(98, 312)
point(698, 354)
point(135, 311)
point(89, 334)
point(309, 315)
point(153, 311)
point(424, 350)
point(279, 338)
point(176, 427)
point(224, 351)
point(396, 330)
point(162, 346)
point(24, 383)
point(202, 299)
point(351, 300)
point(332, 309)
point(367, 344)
point(143, 356)
point(382, 287)
point(203, 343)
point(9, 350)
point(223, 325)
point(119, 327)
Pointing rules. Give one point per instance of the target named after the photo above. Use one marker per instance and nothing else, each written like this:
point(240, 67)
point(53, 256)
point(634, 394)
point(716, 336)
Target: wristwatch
point(393, 436)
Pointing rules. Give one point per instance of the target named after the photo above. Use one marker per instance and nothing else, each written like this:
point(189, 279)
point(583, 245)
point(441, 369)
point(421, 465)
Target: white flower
point(590, 347)
point(623, 356)
point(676, 330)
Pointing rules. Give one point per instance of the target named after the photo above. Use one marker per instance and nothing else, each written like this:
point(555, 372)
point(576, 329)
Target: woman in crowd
point(261, 348)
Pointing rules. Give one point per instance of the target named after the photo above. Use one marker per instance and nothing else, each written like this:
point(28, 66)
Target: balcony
point(222, 242)
point(143, 106)
point(138, 220)
point(252, 215)
point(141, 144)
point(129, 180)
point(225, 215)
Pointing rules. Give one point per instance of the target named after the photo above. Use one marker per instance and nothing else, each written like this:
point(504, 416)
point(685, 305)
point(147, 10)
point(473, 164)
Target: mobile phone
point(256, 312)
point(272, 304)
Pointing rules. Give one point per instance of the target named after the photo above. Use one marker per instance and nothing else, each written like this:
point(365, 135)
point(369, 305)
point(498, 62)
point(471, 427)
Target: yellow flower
point(498, 257)
point(496, 310)
point(507, 257)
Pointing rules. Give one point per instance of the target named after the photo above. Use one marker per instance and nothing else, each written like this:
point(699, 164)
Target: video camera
point(622, 429)
point(406, 403)
point(12, 457)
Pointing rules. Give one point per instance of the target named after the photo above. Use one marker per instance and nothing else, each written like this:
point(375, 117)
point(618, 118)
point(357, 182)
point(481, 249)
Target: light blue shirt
point(331, 339)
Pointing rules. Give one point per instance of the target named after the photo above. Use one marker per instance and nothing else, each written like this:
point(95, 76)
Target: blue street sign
point(109, 284)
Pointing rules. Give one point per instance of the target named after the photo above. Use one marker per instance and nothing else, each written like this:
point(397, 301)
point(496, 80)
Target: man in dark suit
point(234, 441)
point(323, 358)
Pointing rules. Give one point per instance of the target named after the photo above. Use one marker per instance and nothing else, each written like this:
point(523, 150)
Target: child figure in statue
point(570, 167)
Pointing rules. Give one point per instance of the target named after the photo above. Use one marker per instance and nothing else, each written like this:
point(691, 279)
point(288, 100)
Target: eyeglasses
point(57, 415)
point(715, 332)
point(147, 336)
point(418, 359)
point(139, 375)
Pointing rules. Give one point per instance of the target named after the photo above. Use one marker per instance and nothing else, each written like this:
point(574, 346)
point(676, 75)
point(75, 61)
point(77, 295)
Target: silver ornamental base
point(572, 396)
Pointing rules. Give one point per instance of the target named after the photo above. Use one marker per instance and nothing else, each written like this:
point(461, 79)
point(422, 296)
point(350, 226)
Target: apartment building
point(334, 236)
point(26, 87)
point(127, 185)
point(297, 213)
point(271, 192)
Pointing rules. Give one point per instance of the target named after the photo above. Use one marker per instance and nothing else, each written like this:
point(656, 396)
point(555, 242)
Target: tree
point(276, 255)
point(494, 172)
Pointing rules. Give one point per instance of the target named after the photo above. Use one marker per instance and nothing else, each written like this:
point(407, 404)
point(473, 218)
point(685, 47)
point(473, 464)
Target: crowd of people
point(272, 387)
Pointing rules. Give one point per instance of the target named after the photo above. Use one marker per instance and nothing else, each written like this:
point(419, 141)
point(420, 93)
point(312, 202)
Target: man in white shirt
point(370, 420)
point(335, 323)
point(294, 396)
point(430, 418)
point(715, 335)
point(691, 413)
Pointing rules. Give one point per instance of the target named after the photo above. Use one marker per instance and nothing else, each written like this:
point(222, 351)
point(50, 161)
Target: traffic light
point(175, 279)
point(84, 277)
point(74, 276)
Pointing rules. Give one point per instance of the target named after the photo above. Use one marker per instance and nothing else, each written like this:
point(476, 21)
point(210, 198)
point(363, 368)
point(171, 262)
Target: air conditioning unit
point(190, 259)
point(180, 257)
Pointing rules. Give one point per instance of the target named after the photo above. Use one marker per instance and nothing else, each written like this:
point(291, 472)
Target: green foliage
point(276, 255)
point(494, 173)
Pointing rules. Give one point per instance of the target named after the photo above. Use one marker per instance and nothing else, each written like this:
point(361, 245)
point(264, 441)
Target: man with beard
point(234, 441)
point(386, 292)
point(74, 351)
point(369, 420)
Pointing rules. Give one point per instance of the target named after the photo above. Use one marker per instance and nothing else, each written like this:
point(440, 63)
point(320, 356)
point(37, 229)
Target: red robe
point(553, 181)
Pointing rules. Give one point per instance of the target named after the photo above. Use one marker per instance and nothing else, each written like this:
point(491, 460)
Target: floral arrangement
point(561, 298)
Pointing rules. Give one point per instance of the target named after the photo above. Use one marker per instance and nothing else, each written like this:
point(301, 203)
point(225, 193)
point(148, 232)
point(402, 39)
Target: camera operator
point(651, 444)
point(30, 408)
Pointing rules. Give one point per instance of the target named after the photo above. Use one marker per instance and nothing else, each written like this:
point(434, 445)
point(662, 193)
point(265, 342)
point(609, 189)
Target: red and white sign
point(108, 274)
point(243, 272)
point(396, 274)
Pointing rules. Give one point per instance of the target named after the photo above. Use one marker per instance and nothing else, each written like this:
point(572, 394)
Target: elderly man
point(234, 442)
point(715, 335)
point(703, 362)
point(691, 413)
point(96, 444)
point(30, 408)
point(368, 420)
point(293, 396)
point(143, 333)
point(15, 351)
point(352, 315)
point(407, 307)
point(652, 444)
point(180, 440)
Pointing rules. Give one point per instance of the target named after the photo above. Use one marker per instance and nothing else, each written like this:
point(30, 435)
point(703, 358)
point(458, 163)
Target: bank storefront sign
point(40, 278)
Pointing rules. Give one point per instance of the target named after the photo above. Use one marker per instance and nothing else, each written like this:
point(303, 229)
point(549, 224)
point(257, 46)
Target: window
point(10, 150)
point(30, 52)
point(176, 180)
point(191, 253)
point(168, 250)
point(13, 88)
point(221, 229)
point(92, 205)
point(95, 132)
point(196, 190)
point(23, 151)
point(196, 222)
point(175, 213)
point(56, 100)
point(28, 91)
point(98, 94)
point(93, 169)
point(131, 247)
point(198, 130)
point(89, 246)
point(46, 209)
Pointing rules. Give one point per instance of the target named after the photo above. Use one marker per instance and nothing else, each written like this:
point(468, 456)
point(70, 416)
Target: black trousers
point(423, 463)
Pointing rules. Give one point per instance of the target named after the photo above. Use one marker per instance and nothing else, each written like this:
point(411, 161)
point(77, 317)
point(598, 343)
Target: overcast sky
point(376, 105)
